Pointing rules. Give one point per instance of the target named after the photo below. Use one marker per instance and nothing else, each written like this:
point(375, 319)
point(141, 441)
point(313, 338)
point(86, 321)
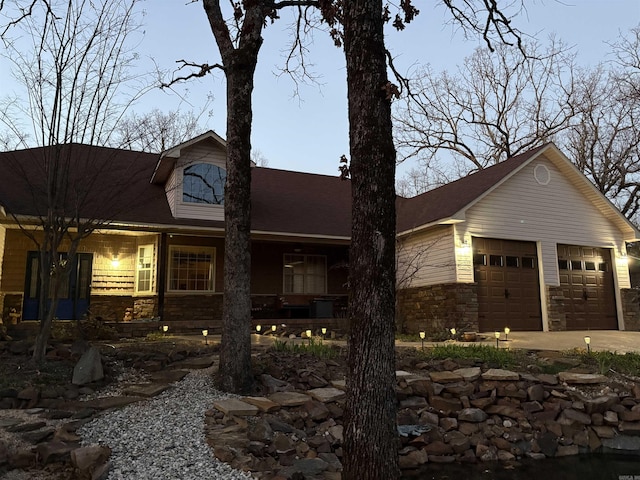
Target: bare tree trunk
point(235, 373)
point(370, 449)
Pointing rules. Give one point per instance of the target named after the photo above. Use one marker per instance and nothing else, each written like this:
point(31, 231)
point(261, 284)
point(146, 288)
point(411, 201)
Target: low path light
point(422, 335)
point(204, 334)
point(273, 329)
point(258, 328)
point(165, 328)
point(308, 332)
point(587, 340)
point(497, 334)
point(507, 331)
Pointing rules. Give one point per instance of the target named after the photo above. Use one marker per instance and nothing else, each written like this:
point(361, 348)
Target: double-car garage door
point(507, 275)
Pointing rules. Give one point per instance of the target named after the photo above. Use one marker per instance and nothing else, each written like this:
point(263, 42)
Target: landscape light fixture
point(453, 332)
point(165, 328)
point(422, 335)
point(587, 340)
point(308, 332)
point(497, 334)
point(324, 332)
point(507, 331)
point(273, 328)
point(204, 334)
point(258, 328)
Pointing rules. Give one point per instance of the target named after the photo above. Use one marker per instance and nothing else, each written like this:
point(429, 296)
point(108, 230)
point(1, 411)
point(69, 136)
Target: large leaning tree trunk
point(239, 64)
point(370, 450)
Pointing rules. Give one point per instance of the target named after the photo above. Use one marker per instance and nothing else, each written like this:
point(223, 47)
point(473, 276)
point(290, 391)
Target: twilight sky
point(309, 132)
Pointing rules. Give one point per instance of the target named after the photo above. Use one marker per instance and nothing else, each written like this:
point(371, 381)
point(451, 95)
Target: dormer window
point(203, 183)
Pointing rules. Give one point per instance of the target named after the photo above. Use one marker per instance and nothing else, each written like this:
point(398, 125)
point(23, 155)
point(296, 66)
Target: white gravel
point(163, 438)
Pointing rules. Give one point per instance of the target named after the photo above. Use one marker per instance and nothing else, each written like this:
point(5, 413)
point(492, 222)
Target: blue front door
point(75, 293)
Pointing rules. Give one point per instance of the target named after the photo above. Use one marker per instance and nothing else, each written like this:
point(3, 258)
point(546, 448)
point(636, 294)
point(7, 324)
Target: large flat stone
point(289, 399)
point(327, 394)
point(263, 403)
point(500, 375)
point(581, 378)
point(341, 384)
point(195, 362)
point(233, 406)
point(110, 402)
point(149, 390)
point(470, 374)
point(168, 376)
point(445, 377)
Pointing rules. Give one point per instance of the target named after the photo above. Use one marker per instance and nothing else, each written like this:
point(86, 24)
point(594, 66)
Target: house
point(528, 243)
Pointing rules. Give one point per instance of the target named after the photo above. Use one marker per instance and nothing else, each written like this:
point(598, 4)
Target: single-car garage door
point(586, 279)
point(506, 272)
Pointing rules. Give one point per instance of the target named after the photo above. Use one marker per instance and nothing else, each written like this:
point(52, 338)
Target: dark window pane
point(495, 260)
point(479, 259)
point(563, 264)
point(528, 262)
point(203, 183)
point(590, 265)
point(512, 261)
point(576, 265)
point(603, 267)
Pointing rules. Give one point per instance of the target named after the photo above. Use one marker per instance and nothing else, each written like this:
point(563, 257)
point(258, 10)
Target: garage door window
point(495, 260)
point(576, 265)
point(528, 262)
point(513, 262)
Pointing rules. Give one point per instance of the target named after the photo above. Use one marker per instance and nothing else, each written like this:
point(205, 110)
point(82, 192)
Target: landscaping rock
point(89, 368)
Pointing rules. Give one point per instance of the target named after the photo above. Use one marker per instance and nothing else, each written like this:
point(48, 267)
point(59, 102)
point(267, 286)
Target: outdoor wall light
point(587, 340)
point(507, 331)
point(258, 328)
point(422, 335)
point(204, 334)
point(497, 334)
point(115, 263)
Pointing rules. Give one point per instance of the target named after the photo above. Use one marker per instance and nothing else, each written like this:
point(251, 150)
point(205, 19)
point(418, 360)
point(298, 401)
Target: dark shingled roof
point(282, 201)
point(445, 201)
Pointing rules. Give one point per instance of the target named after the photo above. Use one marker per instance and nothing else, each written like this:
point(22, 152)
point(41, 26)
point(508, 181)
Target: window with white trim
point(191, 269)
point(306, 274)
point(144, 269)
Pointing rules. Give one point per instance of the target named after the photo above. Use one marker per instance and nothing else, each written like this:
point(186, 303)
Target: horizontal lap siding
point(426, 258)
point(523, 209)
point(193, 155)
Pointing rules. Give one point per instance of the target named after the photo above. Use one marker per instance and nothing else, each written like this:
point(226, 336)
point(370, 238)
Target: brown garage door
point(586, 279)
point(506, 272)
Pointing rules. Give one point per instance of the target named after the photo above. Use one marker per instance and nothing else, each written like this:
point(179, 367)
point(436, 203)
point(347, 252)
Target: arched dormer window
point(203, 183)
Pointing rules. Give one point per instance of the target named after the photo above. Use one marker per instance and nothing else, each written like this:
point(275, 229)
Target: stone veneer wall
point(9, 302)
point(555, 309)
point(110, 308)
point(437, 308)
point(195, 308)
point(631, 308)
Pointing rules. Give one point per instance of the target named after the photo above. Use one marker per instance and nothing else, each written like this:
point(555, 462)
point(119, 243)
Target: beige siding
point(523, 209)
point(171, 188)
point(426, 258)
point(197, 154)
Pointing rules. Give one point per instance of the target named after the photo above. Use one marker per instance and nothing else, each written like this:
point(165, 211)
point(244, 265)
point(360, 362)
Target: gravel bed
point(163, 438)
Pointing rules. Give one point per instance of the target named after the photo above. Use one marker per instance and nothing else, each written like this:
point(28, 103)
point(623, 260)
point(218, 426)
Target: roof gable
point(448, 204)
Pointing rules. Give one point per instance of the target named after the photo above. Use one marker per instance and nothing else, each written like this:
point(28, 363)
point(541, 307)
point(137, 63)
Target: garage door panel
point(586, 280)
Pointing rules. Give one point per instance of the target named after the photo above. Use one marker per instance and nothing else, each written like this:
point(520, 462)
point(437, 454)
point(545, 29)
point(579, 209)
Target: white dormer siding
point(196, 154)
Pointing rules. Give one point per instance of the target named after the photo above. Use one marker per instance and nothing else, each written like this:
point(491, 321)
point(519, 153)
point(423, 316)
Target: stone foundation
point(110, 308)
point(631, 308)
point(437, 308)
point(555, 309)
